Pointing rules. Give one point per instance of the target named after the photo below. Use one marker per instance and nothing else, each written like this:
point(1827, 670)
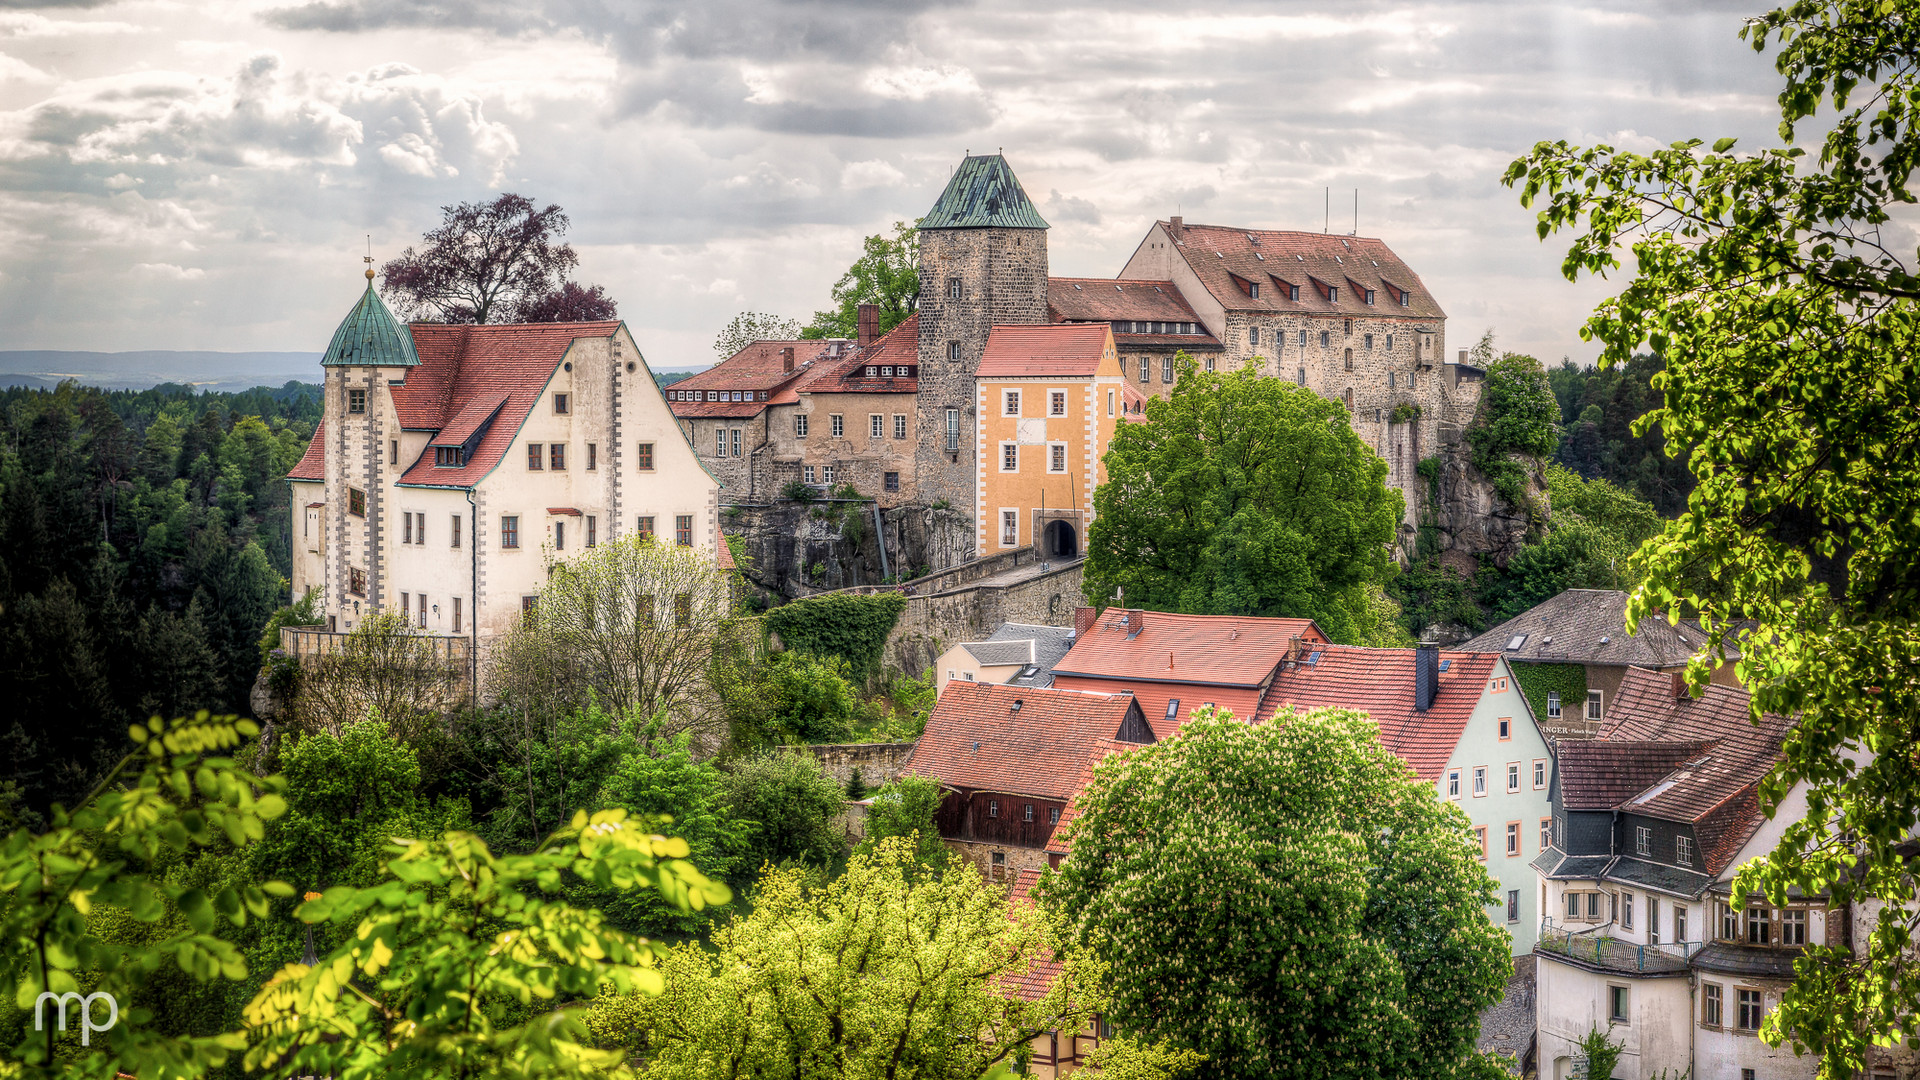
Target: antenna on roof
point(1356, 213)
point(1327, 212)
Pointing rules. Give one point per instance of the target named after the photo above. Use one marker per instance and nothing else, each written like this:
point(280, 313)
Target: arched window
point(1347, 399)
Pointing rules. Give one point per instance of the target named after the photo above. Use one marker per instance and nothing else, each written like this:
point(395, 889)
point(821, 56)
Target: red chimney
point(786, 358)
point(1680, 686)
point(1083, 620)
point(869, 324)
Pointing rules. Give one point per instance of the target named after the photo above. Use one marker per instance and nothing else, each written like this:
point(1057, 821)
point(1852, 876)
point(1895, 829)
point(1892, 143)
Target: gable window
point(533, 455)
point(876, 426)
point(1553, 704)
point(1546, 833)
point(510, 531)
point(683, 530)
point(557, 456)
point(356, 401)
point(1010, 403)
point(1513, 777)
point(1539, 773)
point(1642, 840)
point(1683, 850)
point(1750, 1010)
point(1594, 711)
point(1057, 403)
point(1053, 815)
point(1506, 728)
point(899, 425)
point(356, 502)
point(560, 404)
point(837, 425)
point(1711, 1002)
point(1479, 781)
point(356, 581)
point(1453, 783)
point(799, 425)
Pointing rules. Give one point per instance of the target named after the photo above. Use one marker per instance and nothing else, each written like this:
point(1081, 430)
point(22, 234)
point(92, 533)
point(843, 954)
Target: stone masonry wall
point(877, 763)
point(932, 624)
point(980, 855)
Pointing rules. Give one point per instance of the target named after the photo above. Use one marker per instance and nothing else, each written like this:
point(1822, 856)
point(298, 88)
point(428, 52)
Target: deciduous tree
point(887, 273)
point(751, 326)
point(1769, 284)
point(497, 261)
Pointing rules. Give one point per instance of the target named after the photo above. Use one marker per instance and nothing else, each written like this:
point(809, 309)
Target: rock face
point(796, 549)
point(1469, 517)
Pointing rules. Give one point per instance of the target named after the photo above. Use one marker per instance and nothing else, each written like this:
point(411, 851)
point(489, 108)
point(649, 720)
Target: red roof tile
point(1218, 255)
point(1161, 646)
point(898, 348)
point(974, 738)
point(1604, 775)
point(1109, 299)
point(1379, 682)
point(1059, 349)
point(470, 417)
point(313, 463)
point(759, 367)
point(1033, 982)
point(723, 554)
point(1058, 845)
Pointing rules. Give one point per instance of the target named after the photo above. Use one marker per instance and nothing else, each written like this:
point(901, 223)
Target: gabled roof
point(983, 193)
point(1379, 682)
point(976, 739)
point(1161, 646)
point(1589, 626)
point(1597, 775)
point(759, 366)
point(313, 463)
point(898, 348)
point(472, 416)
point(1062, 349)
point(1000, 653)
point(370, 335)
point(1270, 258)
point(1050, 643)
point(1057, 844)
point(1109, 299)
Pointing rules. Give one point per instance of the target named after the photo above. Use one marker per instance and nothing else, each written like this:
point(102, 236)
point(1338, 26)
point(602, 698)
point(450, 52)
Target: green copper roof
point(369, 336)
point(983, 193)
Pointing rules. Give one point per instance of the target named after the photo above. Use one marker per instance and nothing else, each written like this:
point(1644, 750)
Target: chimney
point(869, 324)
point(1426, 675)
point(1293, 648)
point(1680, 686)
point(786, 358)
point(1463, 356)
point(1176, 221)
point(1083, 619)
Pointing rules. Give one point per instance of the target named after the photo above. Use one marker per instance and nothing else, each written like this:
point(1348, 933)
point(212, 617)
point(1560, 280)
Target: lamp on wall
point(436, 611)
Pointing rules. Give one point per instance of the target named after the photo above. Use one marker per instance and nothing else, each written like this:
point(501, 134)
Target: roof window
point(1173, 708)
point(1656, 791)
point(1444, 664)
point(1259, 256)
point(1518, 640)
point(1076, 284)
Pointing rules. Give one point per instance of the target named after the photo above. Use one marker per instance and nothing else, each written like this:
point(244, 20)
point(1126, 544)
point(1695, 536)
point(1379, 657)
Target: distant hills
point(202, 370)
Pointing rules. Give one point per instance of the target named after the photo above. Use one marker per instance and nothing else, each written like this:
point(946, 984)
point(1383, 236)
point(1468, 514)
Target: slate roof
point(1569, 628)
point(1000, 653)
point(1069, 349)
point(1160, 646)
point(1057, 844)
point(370, 335)
point(462, 364)
point(1226, 259)
point(313, 463)
point(1581, 867)
point(1596, 775)
point(974, 738)
point(1659, 876)
point(983, 193)
point(1379, 682)
point(1726, 958)
point(1050, 643)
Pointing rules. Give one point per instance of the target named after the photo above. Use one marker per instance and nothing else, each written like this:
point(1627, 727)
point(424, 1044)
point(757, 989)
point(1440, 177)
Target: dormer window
point(1369, 297)
point(448, 456)
point(1253, 289)
point(872, 371)
point(1333, 294)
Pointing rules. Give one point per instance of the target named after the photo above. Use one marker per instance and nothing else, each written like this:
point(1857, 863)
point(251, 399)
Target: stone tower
point(983, 262)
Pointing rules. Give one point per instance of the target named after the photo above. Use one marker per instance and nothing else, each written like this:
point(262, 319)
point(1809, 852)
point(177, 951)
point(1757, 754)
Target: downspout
point(473, 599)
point(880, 536)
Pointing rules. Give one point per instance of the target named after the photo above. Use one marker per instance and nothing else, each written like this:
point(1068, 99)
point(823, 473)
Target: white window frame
point(899, 425)
point(1625, 993)
point(1642, 840)
point(1453, 783)
point(1553, 704)
point(1010, 402)
point(806, 474)
point(1009, 516)
point(1683, 851)
point(1005, 446)
point(1057, 401)
point(1057, 455)
point(1539, 774)
point(1479, 781)
point(1596, 705)
point(826, 474)
point(1513, 778)
point(876, 425)
point(799, 425)
point(837, 425)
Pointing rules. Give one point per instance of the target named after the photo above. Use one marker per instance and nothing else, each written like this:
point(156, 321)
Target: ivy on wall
point(1537, 680)
point(854, 628)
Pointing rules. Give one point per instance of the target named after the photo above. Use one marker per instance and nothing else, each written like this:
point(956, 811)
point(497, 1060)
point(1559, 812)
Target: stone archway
point(1060, 541)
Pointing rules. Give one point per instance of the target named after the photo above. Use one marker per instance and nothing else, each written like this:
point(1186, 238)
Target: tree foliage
point(1598, 407)
point(851, 627)
point(905, 808)
point(1516, 426)
point(1287, 899)
point(750, 326)
point(383, 670)
point(1766, 283)
point(496, 261)
point(788, 805)
point(887, 273)
point(1244, 495)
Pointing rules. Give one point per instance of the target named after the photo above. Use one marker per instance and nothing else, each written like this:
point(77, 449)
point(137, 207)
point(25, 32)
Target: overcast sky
point(204, 175)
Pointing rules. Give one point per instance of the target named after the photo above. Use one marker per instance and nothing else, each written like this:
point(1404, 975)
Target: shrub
point(795, 491)
point(854, 628)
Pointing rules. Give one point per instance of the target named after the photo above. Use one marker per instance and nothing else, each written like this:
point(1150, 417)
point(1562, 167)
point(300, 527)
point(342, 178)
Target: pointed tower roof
point(370, 336)
point(983, 193)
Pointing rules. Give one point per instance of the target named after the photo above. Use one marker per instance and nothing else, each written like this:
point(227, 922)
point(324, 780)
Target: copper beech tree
point(498, 261)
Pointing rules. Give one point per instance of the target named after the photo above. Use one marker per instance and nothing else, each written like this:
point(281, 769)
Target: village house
point(452, 462)
point(1056, 1053)
point(1643, 936)
point(1018, 654)
point(1571, 652)
point(1008, 757)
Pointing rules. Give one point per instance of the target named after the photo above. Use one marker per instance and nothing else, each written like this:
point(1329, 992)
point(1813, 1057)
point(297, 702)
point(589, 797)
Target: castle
point(902, 417)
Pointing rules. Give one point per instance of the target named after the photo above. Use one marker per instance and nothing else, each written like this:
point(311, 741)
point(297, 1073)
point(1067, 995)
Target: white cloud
point(24, 24)
point(171, 272)
point(868, 174)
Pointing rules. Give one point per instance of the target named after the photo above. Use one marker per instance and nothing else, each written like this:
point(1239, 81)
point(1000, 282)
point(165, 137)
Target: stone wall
point(1471, 519)
point(932, 623)
point(878, 763)
point(980, 856)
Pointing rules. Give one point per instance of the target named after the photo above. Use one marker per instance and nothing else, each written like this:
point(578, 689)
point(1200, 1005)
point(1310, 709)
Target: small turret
point(370, 336)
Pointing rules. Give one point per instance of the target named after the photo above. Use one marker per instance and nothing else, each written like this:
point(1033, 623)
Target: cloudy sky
point(204, 175)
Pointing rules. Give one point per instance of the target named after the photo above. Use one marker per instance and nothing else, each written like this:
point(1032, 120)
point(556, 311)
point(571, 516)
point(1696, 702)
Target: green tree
point(1243, 495)
point(663, 784)
point(1788, 327)
point(789, 804)
point(1287, 899)
point(1517, 425)
point(905, 808)
point(887, 273)
point(751, 326)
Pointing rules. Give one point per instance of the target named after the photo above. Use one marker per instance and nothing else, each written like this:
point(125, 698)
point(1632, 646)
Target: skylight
point(1444, 663)
point(1655, 791)
point(1515, 642)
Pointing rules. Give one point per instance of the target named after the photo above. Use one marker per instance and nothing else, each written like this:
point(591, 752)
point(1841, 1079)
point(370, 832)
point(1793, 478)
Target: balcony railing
point(1596, 945)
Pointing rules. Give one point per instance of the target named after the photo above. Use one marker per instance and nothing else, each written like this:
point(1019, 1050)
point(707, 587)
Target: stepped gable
point(462, 366)
point(1330, 271)
point(1065, 349)
point(976, 738)
point(983, 194)
point(1379, 682)
point(313, 463)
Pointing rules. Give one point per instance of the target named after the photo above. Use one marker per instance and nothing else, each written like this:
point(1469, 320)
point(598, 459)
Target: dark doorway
point(1061, 541)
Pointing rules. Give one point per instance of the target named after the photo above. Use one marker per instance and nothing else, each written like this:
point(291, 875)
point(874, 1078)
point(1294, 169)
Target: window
point(1209, 361)
point(1513, 838)
point(1253, 290)
point(557, 456)
point(1546, 833)
point(837, 425)
point(1793, 927)
point(1009, 528)
point(1368, 339)
point(1349, 359)
point(899, 425)
point(528, 603)
point(683, 611)
point(1453, 783)
point(1479, 781)
point(1480, 834)
point(953, 350)
point(406, 536)
point(1593, 705)
point(806, 474)
point(356, 401)
point(456, 530)
point(1057, 403)
point(356, 581)
point(1750, 1013)
point(953, 430)
point(1253, 332)
point(1710, 1004)
point(1109, 403)
point(1513, 777)
point(644, 457)
point(736, 442)
point(993, 807)
point(719, 442)
point(1349, 327)
point(1009, 457)
point(1389, 342)
point(826, 474)
point(1539, 773)
point(1513, 905)
point(1010, 403)
point(447, 456)
point(1053, 815)
point(1653, 920)
point(1617, 1002)
point(1027, 814)
point(510, 531)
point(593, 456)
point(891, 482)
point(356, 502)
point(799, 425)
point(876, 426)
point(1166, 369)
point(1642, 840)
point(1303, 333)
point(1553, 704)
point(683, 530)
point(1146, 369)
point(1759, 928)
point(644, 526)
point(533, 455)
point(1729, 924)
point(423, 612)
point(1325, 339)
point(1506, 728)
point(406, 607)
point(456, 614)
point(1626, 910)
point(1057, 458)
point(1593, 907)
point(393, 451)
point(593, 530)
point(559, 404)
point(1392, 379)
point(872, 371)
point(953, 290)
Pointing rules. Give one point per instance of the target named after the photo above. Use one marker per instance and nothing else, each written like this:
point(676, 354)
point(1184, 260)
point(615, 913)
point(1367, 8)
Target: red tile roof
point(1604, 775)
point(1199, 344)
point(1108, 300)
point(1161, 646)
point(760, 366)
point(463, 364)
point(1033, 982)
point(976, 740)
point(1060, 349)
point(1379, 682)
point(723, 554)
point(313, 463)
point(468, 420)
point(897, 348)
point(1219, 255)
point(1058, 845)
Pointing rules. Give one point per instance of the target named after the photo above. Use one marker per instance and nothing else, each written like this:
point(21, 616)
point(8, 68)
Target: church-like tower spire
point(370, 336)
